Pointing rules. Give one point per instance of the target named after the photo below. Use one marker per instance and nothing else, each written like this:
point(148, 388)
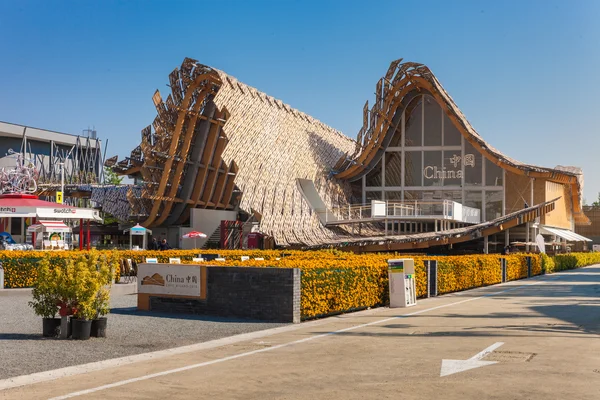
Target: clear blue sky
point(525, 73)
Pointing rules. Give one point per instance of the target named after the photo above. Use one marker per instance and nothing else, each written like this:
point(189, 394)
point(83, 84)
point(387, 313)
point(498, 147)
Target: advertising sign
point(59, 197)
point(176, 279)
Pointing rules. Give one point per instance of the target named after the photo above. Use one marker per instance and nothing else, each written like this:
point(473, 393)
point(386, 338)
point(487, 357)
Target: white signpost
point(169, 279)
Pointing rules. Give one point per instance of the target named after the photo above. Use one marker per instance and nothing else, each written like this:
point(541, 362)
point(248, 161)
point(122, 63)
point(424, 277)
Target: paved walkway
point(542, 338)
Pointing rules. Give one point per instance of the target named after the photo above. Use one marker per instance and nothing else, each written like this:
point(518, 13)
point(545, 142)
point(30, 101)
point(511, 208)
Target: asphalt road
point(531, 339)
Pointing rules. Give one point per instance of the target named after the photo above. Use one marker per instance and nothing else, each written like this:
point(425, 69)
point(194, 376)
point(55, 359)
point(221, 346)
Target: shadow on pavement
point(133, 311)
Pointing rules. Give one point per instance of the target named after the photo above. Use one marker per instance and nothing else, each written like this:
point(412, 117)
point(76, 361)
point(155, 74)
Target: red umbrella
point(194, 235)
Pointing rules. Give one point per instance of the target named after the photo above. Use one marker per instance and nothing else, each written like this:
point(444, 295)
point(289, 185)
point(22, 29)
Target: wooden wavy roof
point(400, 82)
point(217, 143)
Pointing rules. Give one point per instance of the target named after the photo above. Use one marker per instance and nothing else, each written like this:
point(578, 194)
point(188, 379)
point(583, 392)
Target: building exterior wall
point(562, 215)
point(206, 221)
point(591, 231)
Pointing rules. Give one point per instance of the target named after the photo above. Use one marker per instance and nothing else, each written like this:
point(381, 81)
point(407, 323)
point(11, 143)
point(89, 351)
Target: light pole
point(62, 179)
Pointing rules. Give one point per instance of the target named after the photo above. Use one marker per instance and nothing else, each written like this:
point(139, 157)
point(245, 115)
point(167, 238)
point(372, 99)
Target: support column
point(88, 235)
point(486, 245)
point(80, 234)
point(506, 237)
point(33, 234)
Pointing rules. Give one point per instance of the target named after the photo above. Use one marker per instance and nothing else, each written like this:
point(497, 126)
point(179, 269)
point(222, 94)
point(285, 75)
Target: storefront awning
point(49, 226)
point(29, 206)
point(564, 233)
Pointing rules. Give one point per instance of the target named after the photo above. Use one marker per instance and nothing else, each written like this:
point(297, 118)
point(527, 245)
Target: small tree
point(597, 202)
point(111, 178)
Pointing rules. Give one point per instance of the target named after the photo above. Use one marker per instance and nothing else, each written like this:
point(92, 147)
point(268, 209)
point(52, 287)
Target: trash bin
point(401, 274)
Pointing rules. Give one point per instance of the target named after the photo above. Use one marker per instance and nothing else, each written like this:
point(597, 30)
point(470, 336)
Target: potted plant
point(102, 307)
point(106, 266)
point(86, 286)
point(44, 301)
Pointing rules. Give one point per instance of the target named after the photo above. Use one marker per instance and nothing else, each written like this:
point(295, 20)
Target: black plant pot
point(50, 327)
point(99, 327)
point(81, 329)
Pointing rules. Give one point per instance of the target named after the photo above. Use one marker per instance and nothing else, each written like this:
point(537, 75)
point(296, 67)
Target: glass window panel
point(473, 199)
point(374, 176)
point(454, 195)
point(452, 136)
point(433, 174)
point(472, 161)
point(493, 174)
point(393, 169)
point(412, 168)
point(452, 168)
point(413, 122)
point(433, 122)
point(493, 204)
point(373, 196)
point(395, 195)
point(412, 195)
point(356, 187)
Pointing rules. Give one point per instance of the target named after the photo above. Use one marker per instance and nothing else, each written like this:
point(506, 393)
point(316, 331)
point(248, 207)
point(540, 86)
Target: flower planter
point(81, 329)
point(99, 327)
point(50, 327)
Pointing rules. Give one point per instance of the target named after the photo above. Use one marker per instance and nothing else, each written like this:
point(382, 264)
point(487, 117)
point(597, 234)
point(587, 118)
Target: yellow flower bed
point(332, 281)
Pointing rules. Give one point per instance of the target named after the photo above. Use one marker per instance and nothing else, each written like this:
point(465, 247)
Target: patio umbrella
point(194, 235)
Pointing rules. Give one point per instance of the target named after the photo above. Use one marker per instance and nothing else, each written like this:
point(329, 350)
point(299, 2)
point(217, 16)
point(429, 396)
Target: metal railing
point(404, 210)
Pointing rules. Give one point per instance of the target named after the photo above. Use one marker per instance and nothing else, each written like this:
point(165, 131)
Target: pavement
point(530, 339)
point(23, 350)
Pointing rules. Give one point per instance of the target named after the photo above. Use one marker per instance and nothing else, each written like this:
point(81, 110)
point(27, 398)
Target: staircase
point(214, 241)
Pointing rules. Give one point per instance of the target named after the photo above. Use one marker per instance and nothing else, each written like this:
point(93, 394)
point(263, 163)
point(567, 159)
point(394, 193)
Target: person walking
point(154, 244)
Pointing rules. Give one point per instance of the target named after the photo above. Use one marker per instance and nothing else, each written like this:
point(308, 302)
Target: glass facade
point(428, 159)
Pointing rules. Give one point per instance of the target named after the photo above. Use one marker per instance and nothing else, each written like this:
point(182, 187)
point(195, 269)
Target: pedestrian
point(154, 244)
point(164, 245)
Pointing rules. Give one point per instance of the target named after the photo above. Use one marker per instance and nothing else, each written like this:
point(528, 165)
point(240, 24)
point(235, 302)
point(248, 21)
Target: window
point(493, 204)
point(413, 123)
point(433, 173)
point(412, 168)
point(452, 168)
point(373, 196)
point(471, 161)
point(452, 136)
point(395, 195)
point(493, 174)
point(433, 122)
point(473, 199)
point(374, 176)
point(393, 169)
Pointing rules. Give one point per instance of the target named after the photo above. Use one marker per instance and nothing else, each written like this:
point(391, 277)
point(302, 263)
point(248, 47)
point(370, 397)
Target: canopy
point(49, 226)
point(194, 235)
point(137, 230)
point(29, 206)
point(563, 233)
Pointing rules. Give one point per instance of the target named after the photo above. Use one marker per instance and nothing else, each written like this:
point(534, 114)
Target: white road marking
point(450, 367)
point(295, 342)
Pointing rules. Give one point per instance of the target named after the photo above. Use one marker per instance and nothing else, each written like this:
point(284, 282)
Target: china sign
point(174, 279)
point(434, 172)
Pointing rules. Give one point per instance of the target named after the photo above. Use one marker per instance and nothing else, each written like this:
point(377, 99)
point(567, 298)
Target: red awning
point(27, 200)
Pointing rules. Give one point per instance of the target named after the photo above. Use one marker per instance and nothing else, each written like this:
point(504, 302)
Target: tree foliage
point(111, 178)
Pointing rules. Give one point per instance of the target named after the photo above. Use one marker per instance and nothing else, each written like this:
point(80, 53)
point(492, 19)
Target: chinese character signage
point(177, 279)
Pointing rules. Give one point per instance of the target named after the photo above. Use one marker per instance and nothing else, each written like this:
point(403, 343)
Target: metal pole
point(80, 234)
point(62, 180)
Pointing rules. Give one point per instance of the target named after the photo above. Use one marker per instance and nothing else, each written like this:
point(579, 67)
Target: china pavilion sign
point(433, 172)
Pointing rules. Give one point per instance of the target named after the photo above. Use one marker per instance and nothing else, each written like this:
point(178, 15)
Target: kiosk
point(402, 282)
